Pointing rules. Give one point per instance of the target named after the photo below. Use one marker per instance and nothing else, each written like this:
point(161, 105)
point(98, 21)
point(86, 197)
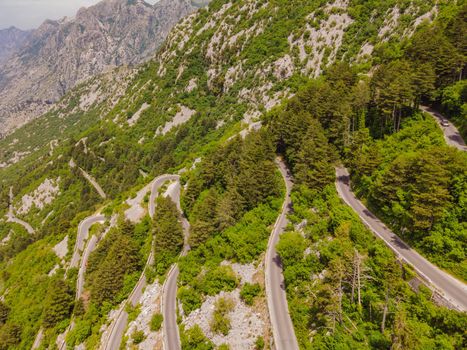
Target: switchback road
point(451, 134)
point(117, 328)
point(281, 323)
point(449, 287)
point(169, 291)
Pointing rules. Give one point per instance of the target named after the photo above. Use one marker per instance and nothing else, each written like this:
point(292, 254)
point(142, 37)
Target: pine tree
point(59, 303)
point(167, 227)
point(315, 159)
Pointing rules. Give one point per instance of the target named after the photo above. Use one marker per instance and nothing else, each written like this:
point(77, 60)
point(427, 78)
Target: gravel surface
point(150, 304)
point(61, 249)
point(246, 324)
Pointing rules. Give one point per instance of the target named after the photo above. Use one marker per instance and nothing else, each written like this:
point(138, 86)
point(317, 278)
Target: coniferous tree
point(59, 303)
point(167, 227)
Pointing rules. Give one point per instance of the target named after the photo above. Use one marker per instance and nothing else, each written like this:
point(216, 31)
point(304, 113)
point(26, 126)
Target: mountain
point(11, 40)
point(60, 54)
point(241, 96)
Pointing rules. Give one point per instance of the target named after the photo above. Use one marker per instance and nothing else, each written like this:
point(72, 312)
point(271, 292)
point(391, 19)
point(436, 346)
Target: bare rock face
point(11, 40)
point(60, 54)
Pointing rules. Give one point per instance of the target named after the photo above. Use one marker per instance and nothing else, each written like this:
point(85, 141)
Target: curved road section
point(118, 326)
point(453, 290)
point(83, 232)
point(281, 323)
point(451, 134)
point(170, 329)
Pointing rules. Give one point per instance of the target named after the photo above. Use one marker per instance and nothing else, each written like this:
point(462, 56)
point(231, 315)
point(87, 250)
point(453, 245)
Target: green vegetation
point(346, 289)
point(249, 292)
point(396, 155)
point(168, 233)
point(195, 339)
point(220, 322)
point(138, 337)
point(156, 322)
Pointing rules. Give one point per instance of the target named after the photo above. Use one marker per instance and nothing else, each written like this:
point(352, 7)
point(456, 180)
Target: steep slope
point(11, 40)
point(220, 71)
point(60, 54)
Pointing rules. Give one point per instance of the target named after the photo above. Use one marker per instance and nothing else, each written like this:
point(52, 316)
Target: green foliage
point(168, 229)
point(168, 233)
point(10, 336)
point(194, 339)
point(191, 299)
point(259, 343)
point(249, 292)
point(109, 266)
point(220, 322)
point(138, 337)
point(59, 303)
point(234, 179)
point(156, 322)
point(348, 279)
point(4, 312)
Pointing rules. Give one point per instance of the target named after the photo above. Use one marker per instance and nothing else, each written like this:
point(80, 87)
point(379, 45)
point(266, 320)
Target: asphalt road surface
point(451, 134)
point(94, 183)
point(118, 326)
point(83, 232)
point(449, 287)
point(282, 327)
point(169, 291)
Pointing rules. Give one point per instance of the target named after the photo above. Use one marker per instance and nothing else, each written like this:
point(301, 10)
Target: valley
point(267, 174)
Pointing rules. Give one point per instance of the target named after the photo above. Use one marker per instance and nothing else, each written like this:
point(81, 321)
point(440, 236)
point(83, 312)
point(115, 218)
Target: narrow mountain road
point(118, 326)
point(94, 183)
point(170, 329)
point(157, 183)
point(38, 340)
point(83, 233)
point(451, 134)
point(10, 216)
point(453, 290)
point(281, 323)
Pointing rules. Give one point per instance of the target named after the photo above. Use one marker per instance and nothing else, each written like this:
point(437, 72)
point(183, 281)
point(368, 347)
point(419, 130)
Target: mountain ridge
point(62, 53)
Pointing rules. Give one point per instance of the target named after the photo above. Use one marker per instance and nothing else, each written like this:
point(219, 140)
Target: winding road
point(170, 329)
point(281, 323)
point(83, 233)
point(10, 216)
point(118, 326)
point(451, 134)
point(453, 290)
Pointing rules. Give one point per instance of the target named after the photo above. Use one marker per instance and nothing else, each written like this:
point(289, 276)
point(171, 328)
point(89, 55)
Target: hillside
point(234, 86)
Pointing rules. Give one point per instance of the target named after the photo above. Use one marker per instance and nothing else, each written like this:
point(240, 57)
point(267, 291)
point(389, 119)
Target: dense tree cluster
point(231, 181)
point(345, 287)
point(117, 257)
point(168, 231)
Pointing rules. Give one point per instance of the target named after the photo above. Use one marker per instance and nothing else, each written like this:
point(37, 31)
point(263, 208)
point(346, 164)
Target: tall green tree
point(168, 229)
point(59, 303)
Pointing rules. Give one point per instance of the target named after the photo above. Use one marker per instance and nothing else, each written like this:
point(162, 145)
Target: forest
point(340, 280)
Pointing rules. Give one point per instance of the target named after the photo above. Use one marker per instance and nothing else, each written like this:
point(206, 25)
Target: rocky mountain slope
point(223, 71)
point(11, 39)
point(60, 54)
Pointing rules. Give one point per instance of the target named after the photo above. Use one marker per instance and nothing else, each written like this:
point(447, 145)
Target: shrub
point(220, 322)
point(249, 292)
point(156, 322)
point(138, 337)
point(259, 344)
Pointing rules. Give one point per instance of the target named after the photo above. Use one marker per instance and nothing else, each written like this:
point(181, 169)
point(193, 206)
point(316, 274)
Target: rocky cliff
point(11, 40)
point(60, 54)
